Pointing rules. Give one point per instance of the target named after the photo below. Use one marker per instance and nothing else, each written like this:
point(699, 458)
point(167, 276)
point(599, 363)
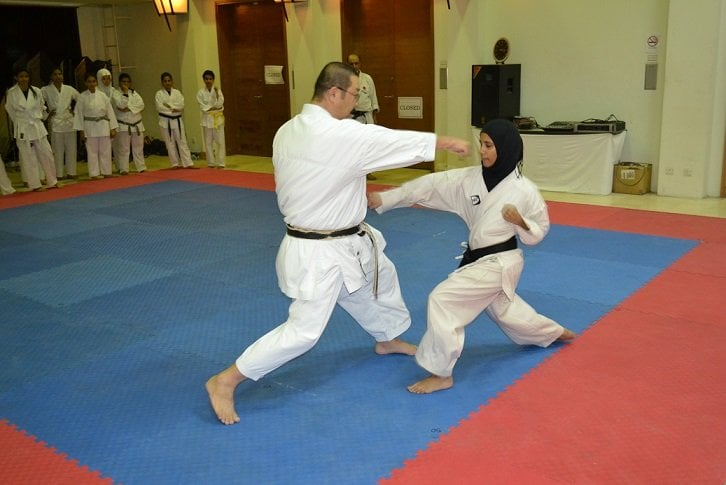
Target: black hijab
point(510, 151)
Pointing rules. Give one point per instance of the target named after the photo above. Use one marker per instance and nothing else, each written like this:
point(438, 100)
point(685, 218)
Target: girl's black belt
point(471, 255)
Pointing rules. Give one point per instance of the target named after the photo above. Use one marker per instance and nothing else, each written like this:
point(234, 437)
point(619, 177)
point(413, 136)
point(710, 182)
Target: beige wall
point(146, 49)
point(580, 59)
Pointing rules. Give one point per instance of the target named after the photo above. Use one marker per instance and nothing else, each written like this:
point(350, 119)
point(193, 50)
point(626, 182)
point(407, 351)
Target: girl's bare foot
point(566, 335)
point(431, 384)
point(395, 346)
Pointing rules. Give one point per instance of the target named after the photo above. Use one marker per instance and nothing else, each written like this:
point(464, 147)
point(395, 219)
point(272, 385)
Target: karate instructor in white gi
point(329, 255)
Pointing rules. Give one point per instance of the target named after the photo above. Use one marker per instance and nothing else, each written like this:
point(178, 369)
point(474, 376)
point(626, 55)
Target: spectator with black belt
point(366, 107)
point(128, 105)
point(170, 106)
point(25, 105)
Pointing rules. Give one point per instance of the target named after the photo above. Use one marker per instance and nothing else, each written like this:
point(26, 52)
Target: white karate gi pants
point(114, 152)
point(6, 187)
point(127, 144)
point(177, 139)
point(65, 152)
point(384, 318)
point(98, 150)
point(459, 299)
point(214, 136)
point(36, 157)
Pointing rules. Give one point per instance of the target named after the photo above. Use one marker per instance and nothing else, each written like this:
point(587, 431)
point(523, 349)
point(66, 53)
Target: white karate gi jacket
point(175, 99)
point(463, 192)
point(129, 121)
point(368, 100)
point(107, 90)
point(28, 114)
point(94, 105)
point(320, 167)
point(59, 103)
point(208, 100)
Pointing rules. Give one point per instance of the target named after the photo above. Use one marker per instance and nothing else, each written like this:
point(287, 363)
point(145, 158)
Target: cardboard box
point(632, 178)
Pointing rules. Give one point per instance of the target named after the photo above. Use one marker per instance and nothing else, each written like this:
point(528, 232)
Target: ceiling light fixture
point(170, 7)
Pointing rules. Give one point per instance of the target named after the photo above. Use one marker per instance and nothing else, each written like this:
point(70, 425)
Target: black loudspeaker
point(494, 92)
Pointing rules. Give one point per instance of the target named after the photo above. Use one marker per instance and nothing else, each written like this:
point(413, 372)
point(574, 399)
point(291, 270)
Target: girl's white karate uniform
point(27, 115)
point(109, 91)
point(6, 187)
point(172, 126)
point(320, 177)
point(130, 135)
point(62, 134)
point(490, 282)
point(95, 117)
point(212, 105)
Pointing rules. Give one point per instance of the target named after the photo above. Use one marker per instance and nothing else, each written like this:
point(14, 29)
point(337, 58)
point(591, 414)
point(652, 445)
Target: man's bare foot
point(395, 346)
point(431, 384)
point(221, 394)
point(566, 335)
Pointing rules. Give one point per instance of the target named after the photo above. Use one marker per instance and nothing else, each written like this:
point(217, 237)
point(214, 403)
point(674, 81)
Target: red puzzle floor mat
point(638, 399)
point(27, 461)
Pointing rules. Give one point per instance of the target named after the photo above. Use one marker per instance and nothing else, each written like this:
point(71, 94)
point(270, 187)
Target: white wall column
point(694, 102)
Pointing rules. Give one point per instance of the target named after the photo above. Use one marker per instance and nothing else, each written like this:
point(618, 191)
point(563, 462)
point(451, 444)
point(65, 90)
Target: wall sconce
point(171, 7)
point(284, 10)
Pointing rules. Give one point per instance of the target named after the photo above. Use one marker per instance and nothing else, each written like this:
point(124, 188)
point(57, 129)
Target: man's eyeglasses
point(355, 95)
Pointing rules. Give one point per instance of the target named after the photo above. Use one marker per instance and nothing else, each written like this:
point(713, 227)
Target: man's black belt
point(357, 114)
point(323, 234)
point(471, 255)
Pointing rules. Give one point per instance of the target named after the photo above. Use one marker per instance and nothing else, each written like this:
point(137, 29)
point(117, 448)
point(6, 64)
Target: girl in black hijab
point(509, 151)
point(500, 210)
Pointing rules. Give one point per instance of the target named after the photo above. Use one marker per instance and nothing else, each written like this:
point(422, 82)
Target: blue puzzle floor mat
point(119, 306)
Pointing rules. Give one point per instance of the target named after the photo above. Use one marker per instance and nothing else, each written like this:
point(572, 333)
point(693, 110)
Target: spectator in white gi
point(105, 82)
point(128, 105)
point(498, 204)
point(367, 106)
point(6, 187)
point(211, 102)
point(170, 106)
point(26, 108)
point(61, 100)
point(105, 85)
point(329, 255)
point(97, 123)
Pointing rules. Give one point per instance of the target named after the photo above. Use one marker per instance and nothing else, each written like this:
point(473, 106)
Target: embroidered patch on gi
point(475, 200)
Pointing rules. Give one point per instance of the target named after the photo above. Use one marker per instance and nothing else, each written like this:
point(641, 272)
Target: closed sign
point(410, 107)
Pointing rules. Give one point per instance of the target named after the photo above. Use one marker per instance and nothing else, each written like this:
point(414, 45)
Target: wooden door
point(252, 36)
point(396, 47)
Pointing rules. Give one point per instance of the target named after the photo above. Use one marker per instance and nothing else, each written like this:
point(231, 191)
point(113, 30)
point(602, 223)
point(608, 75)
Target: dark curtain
point(41, 38)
